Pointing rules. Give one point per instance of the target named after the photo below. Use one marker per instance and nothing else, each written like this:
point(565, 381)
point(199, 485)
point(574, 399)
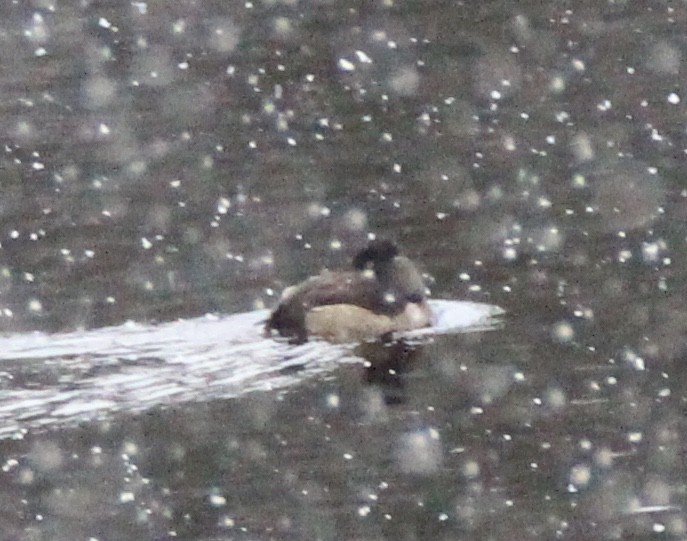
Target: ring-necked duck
point(383, 294)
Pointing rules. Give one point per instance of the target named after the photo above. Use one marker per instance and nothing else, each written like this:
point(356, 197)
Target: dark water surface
point(174, 159)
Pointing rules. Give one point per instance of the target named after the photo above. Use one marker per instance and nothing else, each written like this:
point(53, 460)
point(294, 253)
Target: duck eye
point(389, 298)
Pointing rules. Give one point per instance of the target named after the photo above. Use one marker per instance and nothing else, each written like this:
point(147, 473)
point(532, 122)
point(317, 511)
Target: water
point(170, 160)
point(64, 379)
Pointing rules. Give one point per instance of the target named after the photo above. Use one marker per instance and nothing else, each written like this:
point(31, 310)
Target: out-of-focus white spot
point(405, 81)
point(509, 253)
point(555, 398)
point(557, 84)
point(141, 7)
point(562, 116)
point(224, 36)
point(363, 58)
point(578, 65)
point(650, 252)
point(470, 469)
point(664, 58)
point(369, 274)
point(332, 400)
point(633, 359)
point(346, 65)
point(355, 220)
point(37, 31)
point(604, 457)
point(223, 205)
point(563, 332)
point(10, 464)
point(635, 437)
point(98, 91)
point(420, 452)
point(217, 500)
point(580, 475)
point(126, 497)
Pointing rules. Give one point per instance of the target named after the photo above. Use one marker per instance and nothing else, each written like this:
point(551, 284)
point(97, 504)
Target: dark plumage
point(384, 293)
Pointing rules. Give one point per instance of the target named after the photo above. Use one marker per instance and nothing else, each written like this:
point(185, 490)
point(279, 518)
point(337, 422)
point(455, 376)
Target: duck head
point(398, 279)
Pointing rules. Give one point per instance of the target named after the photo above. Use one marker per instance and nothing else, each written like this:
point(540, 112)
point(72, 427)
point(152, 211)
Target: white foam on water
point(133, 367)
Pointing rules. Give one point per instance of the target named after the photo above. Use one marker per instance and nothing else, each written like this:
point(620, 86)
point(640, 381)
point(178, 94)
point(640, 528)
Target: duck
point(383, 294)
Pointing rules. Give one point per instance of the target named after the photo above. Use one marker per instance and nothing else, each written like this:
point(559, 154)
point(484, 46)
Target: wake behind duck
point(49, 379)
